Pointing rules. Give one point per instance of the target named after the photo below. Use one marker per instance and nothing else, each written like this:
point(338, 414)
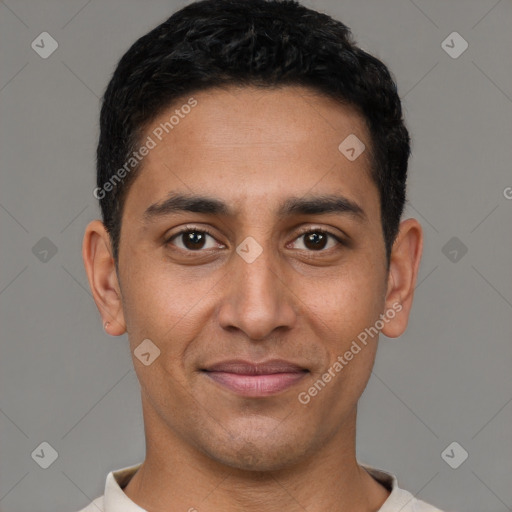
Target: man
point(252, 168)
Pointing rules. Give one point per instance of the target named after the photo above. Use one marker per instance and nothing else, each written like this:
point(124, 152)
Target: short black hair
point(263, 43)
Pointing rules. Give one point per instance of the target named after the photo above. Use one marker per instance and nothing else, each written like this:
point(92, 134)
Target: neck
point(175, 477)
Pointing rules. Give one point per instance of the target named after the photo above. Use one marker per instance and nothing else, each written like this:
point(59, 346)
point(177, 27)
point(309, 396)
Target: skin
point(207, 447)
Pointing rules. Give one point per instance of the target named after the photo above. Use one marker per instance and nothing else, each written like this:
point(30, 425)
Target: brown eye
point(192, 240)
point(317, 240)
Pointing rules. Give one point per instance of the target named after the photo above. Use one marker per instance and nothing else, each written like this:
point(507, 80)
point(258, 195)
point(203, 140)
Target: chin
point(259, 460)
point(252, 452)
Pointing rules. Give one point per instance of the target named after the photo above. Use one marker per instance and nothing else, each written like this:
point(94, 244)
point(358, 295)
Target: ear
point(102, 276)
point(403, 269)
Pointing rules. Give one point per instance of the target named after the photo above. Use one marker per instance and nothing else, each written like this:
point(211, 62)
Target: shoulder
point(421, 506)
point(95, 506)
point(398, 499)
point(403, 500)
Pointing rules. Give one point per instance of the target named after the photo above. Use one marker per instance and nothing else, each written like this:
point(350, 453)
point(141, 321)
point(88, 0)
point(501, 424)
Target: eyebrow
point(311, 205)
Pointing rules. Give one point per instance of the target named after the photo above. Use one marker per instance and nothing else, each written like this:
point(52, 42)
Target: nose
point(257, 300)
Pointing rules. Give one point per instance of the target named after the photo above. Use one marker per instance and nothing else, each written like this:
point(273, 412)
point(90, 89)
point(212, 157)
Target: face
point(249, 237)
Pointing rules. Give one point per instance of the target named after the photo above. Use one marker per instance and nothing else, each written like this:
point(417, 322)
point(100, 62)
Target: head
point(264, 44)
point(242, 108)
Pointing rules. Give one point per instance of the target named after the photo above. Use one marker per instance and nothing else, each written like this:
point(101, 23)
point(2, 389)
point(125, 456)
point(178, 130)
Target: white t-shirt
point(115, 500)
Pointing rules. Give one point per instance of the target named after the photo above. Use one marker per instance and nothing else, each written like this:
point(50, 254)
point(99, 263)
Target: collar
point(115, 500)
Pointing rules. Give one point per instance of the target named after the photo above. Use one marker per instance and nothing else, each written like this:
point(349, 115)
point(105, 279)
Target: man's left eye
point(317, 240)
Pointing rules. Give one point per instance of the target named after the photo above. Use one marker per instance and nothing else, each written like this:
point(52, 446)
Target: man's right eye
point(192, 239)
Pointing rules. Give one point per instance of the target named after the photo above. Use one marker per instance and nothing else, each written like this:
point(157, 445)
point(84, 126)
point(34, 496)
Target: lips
point(256, 379)
point(247, 368)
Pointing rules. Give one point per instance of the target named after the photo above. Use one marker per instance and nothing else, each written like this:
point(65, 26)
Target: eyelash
point(306, 231)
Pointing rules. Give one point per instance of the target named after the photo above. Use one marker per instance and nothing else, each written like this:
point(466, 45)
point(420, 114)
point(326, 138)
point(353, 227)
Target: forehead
point(252, 147)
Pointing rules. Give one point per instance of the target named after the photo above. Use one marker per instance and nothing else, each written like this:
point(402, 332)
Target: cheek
point(344, 309)
point(163, 304)
point(347, 303)
point(343, 317)
point(152, 293)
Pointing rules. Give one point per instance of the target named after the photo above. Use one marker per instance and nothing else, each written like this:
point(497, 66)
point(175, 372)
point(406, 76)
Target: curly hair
point(263, 43)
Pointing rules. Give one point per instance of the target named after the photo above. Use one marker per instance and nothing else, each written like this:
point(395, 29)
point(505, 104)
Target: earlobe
point(102, 276)
point(403, 270)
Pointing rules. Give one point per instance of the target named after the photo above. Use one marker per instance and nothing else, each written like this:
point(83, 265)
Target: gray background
point(446, 379)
